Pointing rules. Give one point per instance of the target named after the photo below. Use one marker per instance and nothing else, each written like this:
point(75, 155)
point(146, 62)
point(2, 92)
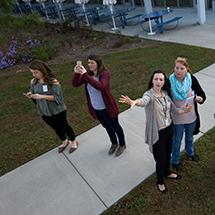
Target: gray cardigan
point(152, 129)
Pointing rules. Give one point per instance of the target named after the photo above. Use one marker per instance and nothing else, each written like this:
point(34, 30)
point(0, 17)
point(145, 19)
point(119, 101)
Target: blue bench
point(131, 20)
point(175, 20)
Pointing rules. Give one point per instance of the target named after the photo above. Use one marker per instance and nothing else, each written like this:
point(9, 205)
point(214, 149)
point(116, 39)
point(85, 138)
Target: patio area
point(188, 30)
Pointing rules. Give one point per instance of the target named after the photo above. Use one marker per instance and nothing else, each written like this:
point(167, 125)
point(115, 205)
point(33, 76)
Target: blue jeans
point(178, 131)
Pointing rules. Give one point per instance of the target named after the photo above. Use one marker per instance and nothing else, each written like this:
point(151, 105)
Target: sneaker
point(112, 149)
point(120, 150)
point(195, 158)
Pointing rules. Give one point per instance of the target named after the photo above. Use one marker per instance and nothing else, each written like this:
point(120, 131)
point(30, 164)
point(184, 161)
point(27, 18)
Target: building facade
point(174, 3)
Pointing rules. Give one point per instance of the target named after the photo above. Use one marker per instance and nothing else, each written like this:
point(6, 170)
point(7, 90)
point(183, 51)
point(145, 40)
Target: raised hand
point(126, 100)
point(79, 69)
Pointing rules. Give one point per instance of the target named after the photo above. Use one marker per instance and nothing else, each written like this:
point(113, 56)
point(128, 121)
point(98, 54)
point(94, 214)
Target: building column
point(148, 6)
point(194, 4)
point(213, 5)
point(201, 11)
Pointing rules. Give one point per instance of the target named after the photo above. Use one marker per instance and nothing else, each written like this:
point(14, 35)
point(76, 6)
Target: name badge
point(45, 88)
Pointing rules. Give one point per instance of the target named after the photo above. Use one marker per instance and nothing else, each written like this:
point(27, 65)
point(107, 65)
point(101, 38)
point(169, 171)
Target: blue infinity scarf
point(180, 90)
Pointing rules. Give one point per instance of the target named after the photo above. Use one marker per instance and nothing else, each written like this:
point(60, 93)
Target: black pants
point(162, 153)
point(60, 125)
point(112, 127)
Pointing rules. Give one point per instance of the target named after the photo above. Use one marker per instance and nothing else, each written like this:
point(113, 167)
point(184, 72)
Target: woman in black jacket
point(185, 89)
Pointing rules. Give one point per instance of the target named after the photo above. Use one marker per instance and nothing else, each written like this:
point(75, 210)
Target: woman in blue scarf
point(185, 89)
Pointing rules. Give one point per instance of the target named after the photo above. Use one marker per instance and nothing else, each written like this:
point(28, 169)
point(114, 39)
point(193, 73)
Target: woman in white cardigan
point(159, 131)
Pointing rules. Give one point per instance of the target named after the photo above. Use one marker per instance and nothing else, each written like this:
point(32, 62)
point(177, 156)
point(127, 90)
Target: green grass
point(19, 24)
point(193, 194)
point(25, 136)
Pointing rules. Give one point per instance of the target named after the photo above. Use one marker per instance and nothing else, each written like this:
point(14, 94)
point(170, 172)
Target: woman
point(158, 132)
point(185, 89)
point(47, 94)
point(101, 103)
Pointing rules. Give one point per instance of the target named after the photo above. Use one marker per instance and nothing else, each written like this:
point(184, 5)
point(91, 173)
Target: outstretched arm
point(128, 101)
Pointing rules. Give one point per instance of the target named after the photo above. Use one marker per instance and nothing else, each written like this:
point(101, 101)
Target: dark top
point(198, 92)
point(103, 85)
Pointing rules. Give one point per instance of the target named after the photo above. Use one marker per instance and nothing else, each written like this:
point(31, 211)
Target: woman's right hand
point(77, 69)
point(28, 94)
point(127, 100)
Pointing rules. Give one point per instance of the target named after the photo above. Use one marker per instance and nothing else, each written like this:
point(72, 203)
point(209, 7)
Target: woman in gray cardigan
point(159, 131)
point(47, 94)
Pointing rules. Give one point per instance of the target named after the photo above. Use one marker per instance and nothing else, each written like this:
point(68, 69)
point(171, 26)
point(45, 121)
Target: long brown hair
point(98, 60)
point(49, 77)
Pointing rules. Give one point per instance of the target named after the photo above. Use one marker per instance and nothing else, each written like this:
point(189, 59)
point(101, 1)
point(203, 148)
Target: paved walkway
point(89, 181)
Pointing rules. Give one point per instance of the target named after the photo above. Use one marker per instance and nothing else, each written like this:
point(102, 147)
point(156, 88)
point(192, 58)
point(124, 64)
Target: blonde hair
point(184, 62)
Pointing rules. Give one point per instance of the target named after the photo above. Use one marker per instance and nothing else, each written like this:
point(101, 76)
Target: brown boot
point(112, 149)
point(120, 150)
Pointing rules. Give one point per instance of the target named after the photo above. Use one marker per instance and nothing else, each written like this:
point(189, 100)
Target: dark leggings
point(162, 153)
point(112, 127)
point(60, 125)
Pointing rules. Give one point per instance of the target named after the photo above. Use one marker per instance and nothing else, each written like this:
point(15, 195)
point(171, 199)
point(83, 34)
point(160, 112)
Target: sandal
point(62, 147)
point(72, 149)
point(174, 176)
point(162, 188)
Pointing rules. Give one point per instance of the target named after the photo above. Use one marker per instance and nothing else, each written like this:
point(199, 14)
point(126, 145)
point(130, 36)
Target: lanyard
point(164, 106)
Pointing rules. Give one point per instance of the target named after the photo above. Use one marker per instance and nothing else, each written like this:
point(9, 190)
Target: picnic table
point(157, 17)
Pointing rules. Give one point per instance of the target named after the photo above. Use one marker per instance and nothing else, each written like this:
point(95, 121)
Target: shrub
point(17, 51)
point(6, 6)
point(2, 39)
point(45, 51)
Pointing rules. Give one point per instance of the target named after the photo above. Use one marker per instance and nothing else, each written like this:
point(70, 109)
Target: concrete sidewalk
point(89, 180)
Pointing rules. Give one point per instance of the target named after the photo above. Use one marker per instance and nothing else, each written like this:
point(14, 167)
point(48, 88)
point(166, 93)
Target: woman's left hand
point(126, 100)
point(82, 70)
point(186, 108)
point(36, 96)
point(199, 99)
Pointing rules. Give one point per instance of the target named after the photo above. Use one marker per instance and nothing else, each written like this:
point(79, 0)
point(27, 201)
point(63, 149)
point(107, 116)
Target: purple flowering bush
point(16, 52)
